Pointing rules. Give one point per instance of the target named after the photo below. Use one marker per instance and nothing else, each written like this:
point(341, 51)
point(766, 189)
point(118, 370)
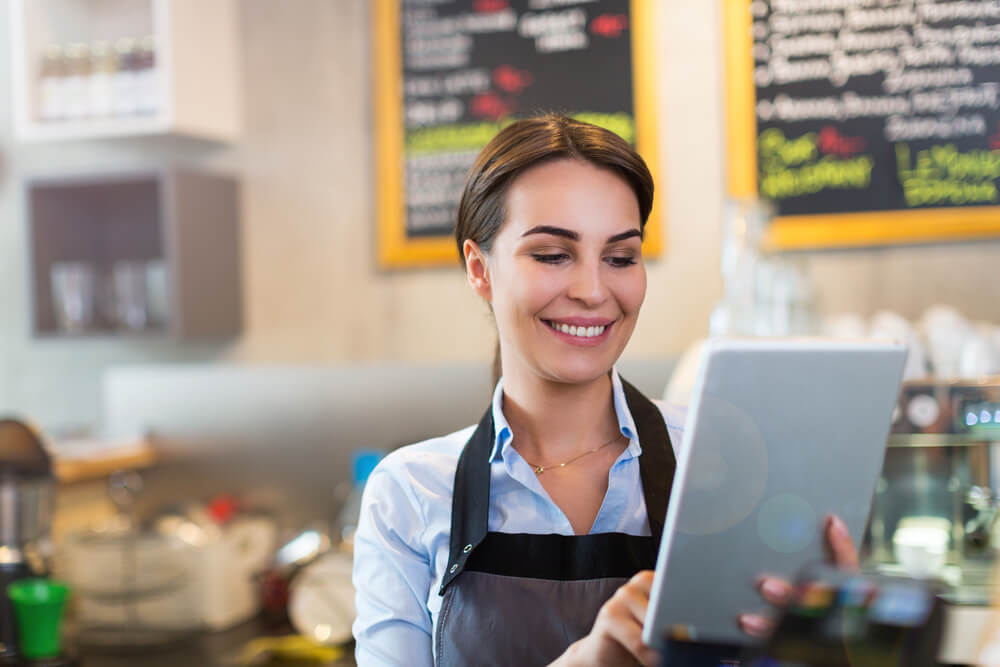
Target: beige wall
point(312, 292)
point(312, 288)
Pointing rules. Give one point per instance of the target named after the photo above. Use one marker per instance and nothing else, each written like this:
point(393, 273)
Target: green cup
point(38, 608)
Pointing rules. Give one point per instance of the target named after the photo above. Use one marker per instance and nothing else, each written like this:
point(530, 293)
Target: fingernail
point(838, 527)
point(754, 625)
point(772, 588)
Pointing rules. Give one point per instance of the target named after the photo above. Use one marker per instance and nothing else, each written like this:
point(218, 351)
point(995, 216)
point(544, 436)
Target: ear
point(477, 271)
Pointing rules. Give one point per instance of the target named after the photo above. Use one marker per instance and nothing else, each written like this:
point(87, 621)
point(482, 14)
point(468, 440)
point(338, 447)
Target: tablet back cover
point(779, 434)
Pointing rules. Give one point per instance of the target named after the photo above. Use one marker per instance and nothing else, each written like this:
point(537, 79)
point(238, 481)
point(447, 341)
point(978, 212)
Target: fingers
point(755, 625)
point(622, 617)
point(632, 599)
point(843, 553)
point(643, 579)
point(641, 585)
point(621, 627)
point(776, 591)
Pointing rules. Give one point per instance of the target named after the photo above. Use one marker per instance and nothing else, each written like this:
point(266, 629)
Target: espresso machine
point(935, 510)
point(27, 489)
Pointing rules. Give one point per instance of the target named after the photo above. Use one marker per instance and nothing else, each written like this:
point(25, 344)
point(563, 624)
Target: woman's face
point(565, 276)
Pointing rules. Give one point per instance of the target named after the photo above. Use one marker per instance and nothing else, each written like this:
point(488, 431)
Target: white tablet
point(779, 434)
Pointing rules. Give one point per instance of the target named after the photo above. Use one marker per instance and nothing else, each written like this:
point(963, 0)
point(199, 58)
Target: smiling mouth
point(579, 332)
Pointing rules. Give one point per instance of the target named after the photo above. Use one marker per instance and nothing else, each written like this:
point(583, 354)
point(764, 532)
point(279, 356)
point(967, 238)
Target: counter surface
point(210, 649)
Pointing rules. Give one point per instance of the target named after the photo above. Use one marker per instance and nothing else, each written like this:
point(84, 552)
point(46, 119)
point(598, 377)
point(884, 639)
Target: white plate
point(321, 599)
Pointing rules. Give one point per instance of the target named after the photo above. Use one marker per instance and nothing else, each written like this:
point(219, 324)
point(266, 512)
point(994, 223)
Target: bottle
point(124, 84)
point(362, 464)
point(147, 85)
point(77, 100)
point(103, 65)
point(51, 84)
point(744, 222)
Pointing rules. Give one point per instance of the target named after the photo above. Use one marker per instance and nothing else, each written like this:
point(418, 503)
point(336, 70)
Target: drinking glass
point(128, 294)
point(73, 295)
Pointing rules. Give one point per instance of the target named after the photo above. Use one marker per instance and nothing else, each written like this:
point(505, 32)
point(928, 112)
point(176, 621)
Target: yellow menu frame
point(395, 250)
point(841, 230)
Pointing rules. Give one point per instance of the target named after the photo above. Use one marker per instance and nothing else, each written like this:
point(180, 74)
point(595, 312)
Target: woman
point(529, 538)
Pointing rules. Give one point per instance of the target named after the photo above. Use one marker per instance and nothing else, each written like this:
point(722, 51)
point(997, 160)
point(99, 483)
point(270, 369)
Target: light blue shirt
point(401, 544)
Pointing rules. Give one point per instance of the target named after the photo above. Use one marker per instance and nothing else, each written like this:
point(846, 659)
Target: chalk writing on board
point(472, 66)
point(811, 163)
point(944, 174)
point(894, 103)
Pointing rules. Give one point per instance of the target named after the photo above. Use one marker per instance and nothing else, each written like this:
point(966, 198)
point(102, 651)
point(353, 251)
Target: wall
point(312, 292)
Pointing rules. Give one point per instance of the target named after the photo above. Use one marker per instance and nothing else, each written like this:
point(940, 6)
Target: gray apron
point(521, 599)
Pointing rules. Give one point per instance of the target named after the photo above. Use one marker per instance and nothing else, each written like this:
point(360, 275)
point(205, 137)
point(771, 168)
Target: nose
point(587, 283)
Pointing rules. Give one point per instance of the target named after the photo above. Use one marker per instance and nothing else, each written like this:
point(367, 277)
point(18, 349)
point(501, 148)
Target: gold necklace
point(538, 470)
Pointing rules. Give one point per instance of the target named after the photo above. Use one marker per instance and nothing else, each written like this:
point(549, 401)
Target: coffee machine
point(27, 488)
point(935, 510)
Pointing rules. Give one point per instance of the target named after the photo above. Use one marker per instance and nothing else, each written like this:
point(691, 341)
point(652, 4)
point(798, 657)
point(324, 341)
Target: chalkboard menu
point(867, 121)
point(451, 73)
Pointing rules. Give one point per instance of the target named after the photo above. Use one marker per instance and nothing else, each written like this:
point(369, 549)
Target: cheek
point(532, 290)
point(632, 291)
point(519, 293)
point(642, 289)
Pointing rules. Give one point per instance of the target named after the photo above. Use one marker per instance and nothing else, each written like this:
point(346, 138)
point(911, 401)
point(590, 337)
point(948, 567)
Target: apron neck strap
point(657, 463)
point(470, 499)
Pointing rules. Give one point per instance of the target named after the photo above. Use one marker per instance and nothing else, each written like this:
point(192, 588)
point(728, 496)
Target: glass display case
point(934, 513)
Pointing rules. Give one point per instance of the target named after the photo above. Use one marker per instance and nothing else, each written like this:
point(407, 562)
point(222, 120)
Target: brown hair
point(528, 143)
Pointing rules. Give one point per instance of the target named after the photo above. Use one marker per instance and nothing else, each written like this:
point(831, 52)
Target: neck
point(554, 421)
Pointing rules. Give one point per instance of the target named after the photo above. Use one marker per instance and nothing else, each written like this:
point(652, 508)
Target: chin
point(579, 371)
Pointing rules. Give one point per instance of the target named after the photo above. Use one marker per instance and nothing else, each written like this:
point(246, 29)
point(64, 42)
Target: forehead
point(573, 194)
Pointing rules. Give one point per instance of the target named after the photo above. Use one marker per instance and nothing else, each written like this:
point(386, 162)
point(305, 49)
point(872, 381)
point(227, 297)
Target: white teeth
point(581, 332)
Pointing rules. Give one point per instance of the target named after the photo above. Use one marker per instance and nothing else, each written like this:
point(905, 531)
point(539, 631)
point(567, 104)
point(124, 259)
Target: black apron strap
point(470, 499)
point(657, 463)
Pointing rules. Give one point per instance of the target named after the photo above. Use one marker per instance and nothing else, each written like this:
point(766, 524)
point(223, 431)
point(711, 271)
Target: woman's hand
point(842, 553)
point(616, 638)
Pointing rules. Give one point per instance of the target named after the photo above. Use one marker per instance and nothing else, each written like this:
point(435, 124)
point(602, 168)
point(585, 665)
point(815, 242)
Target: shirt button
point(452, 569)
point(467, 549)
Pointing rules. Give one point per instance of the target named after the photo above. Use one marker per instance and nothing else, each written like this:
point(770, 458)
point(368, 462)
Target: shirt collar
point(503, 435)
point(501, 428)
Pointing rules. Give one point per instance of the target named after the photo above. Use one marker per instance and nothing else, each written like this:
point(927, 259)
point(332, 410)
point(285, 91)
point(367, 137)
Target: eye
point(620, 262)
point(550, 258)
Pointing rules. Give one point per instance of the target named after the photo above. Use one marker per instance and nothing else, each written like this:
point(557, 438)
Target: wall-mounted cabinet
point(88, 69)
point(153, 254)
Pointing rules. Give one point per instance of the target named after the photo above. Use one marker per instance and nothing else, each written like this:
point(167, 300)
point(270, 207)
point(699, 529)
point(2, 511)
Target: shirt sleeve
point(392, 577)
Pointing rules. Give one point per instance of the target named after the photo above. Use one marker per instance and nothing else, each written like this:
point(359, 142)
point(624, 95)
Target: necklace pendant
point(539, 470)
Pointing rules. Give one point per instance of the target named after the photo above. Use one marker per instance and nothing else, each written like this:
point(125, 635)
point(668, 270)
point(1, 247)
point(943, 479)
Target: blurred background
point(196, 321)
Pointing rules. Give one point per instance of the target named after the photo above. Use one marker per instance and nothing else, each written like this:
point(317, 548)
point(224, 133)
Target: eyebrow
point(573, 236)
point(624, 235)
